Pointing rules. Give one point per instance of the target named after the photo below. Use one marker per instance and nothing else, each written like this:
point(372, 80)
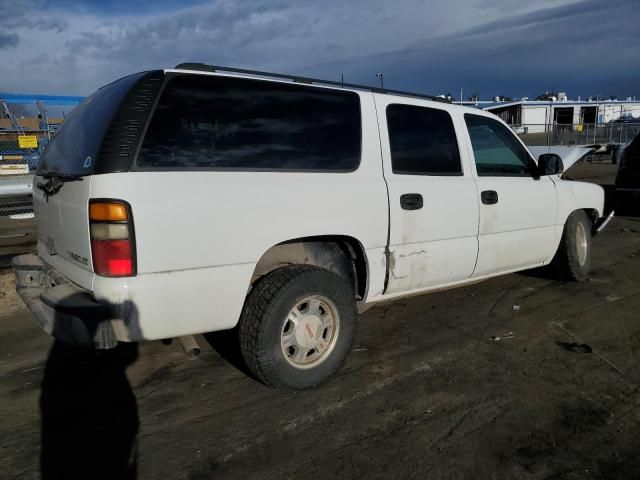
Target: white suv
point(200, 198)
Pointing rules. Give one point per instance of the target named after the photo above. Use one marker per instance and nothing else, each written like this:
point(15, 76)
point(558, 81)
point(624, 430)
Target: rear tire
point(573, 258)
point(297, 326)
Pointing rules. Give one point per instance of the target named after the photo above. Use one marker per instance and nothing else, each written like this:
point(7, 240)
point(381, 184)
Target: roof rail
point(294, 78)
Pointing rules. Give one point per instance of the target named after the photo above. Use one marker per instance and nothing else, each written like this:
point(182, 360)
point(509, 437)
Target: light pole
point(381, 77)
point(595, 124)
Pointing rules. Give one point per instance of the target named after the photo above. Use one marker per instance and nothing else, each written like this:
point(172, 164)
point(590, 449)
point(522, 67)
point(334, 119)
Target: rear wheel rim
point(310, 331)
point(582, 245)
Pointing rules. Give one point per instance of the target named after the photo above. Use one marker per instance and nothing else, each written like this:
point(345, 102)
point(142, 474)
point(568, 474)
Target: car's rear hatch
point(96, 138)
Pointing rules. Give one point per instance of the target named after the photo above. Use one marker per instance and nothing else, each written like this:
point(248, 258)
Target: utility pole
point(595, 124)
point(381, 77)
point(460, 96)
point(548, 125)
point(620, 136)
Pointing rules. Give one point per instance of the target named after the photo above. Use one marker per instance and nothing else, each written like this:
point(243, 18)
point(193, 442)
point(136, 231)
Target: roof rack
point(294, 78)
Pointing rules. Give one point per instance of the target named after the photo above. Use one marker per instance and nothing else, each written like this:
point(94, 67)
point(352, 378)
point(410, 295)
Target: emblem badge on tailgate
point(78, 258)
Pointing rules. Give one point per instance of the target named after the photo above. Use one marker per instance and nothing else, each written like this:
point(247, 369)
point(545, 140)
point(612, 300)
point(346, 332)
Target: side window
point(204, 121)
point(423, 141)
point(496, 150)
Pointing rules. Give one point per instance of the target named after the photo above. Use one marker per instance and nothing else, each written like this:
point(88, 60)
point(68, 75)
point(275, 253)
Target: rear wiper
point(55, 183)
point(65, 177)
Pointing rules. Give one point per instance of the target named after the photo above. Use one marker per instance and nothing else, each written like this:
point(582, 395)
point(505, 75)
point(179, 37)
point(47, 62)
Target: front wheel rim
point(582, 245)
point(310, 331)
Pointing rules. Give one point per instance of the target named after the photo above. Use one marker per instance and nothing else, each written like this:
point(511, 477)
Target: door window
point(496, 150)
point(423, 141)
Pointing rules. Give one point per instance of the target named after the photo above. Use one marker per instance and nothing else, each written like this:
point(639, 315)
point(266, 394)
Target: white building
point(536, 115)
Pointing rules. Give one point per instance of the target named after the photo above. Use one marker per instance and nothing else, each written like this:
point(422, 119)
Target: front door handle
point(489, 197)
point(411, 201)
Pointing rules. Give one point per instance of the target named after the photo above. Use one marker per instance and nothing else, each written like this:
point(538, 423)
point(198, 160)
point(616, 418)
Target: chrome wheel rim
point(310, 331)
point(581, 243)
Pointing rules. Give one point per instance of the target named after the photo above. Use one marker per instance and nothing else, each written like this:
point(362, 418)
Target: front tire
point(573, 258)
point(297, 326)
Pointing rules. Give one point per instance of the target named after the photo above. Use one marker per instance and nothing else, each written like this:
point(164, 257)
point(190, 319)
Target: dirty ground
point(517, 377)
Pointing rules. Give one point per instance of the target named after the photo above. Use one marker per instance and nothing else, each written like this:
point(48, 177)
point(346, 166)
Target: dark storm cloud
point(550, 15)
point(586, 48)
point(19, 14)
point(507, 47)
point(221, 29)
point(120, 7)
point(8, 40)
point(281, 35)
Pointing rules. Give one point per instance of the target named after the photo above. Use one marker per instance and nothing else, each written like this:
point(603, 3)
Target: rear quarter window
point(74, 147)
point(209, 122)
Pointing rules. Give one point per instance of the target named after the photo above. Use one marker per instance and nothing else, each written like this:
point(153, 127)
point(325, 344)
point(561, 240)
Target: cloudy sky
point(509, 47)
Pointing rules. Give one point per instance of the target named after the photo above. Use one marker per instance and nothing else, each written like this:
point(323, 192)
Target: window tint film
point(74, 147)
point(496, 150)
point(223, 122)
point(423, 141)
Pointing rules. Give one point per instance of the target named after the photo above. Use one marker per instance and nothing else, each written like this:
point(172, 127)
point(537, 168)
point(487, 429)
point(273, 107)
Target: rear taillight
point(112, 241)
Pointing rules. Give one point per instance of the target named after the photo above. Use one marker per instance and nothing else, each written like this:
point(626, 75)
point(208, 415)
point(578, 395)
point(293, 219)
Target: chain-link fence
point(19, 154)
point(577, 134)
point(20, 150)
point(16, 206)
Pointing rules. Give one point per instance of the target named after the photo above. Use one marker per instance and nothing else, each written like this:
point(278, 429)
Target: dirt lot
point(16, 236)
point(433, 389)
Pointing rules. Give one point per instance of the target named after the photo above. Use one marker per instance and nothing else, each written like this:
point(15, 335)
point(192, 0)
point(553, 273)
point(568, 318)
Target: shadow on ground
point(89, 414)
point(226, 344)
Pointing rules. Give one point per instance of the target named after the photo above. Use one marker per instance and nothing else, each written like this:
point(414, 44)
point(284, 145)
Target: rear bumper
point(62, 309)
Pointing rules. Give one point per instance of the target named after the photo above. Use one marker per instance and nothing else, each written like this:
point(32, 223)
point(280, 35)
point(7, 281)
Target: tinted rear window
point(74, 147)
point(423, 141)
point(222, 122)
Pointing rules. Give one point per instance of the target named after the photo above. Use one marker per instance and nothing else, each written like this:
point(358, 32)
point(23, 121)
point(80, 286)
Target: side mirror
point(550, 164)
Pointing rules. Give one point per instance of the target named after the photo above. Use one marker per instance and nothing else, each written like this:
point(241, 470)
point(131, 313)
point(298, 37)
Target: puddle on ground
point(575, 347)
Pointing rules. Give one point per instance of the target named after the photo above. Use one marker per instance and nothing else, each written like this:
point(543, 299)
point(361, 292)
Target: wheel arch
point(341, 254)
point(592, 213)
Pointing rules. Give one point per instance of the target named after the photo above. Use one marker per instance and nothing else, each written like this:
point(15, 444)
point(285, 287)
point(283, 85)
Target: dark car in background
point(628, 177)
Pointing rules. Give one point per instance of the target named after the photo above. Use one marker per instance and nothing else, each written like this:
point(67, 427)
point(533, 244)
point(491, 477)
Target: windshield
point(73, 149)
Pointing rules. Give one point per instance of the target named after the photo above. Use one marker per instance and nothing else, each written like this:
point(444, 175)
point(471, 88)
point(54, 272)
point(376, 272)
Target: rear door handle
point(489, 197)
point(411, 201)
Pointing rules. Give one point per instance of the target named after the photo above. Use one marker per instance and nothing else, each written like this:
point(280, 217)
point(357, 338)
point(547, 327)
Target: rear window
point(230, 123)
point(74, 147)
